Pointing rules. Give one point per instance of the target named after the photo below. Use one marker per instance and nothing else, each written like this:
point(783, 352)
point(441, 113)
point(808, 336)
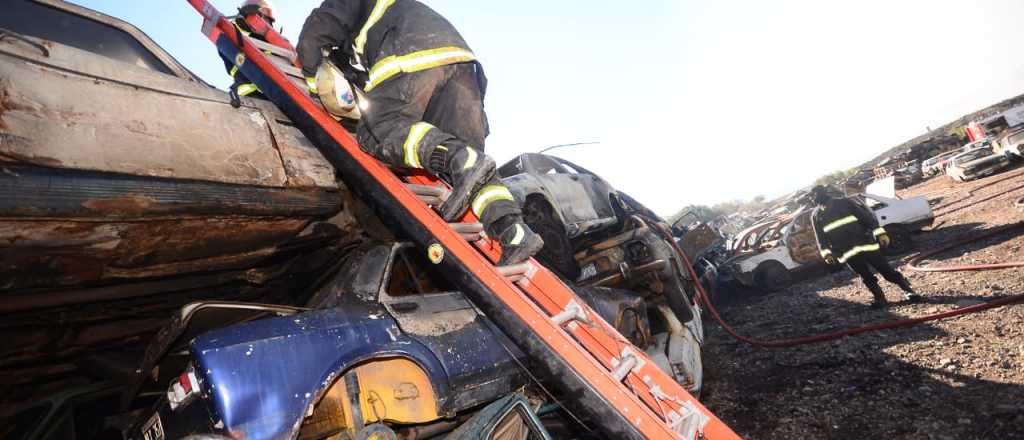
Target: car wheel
point(900, 240)
point(771, 276)
point(557, 253)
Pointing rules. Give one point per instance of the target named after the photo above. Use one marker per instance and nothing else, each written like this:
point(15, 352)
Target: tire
point(901, 240)
point(557, 253)
point(771, 276)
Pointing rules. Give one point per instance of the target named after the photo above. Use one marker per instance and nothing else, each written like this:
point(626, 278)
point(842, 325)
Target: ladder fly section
point(601, 375)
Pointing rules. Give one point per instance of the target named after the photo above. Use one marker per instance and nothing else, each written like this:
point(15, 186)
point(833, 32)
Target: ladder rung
point(469, 231)
point(276, 50)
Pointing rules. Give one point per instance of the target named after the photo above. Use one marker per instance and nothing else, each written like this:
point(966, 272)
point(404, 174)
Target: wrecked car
point(385, 346)
point(976, 163)
point(113, 215)
point(772, 254)
point(594, 235)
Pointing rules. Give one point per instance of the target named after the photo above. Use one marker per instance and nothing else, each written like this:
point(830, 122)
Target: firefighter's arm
point(868, 220)
point(824, 246)
point(330, 25)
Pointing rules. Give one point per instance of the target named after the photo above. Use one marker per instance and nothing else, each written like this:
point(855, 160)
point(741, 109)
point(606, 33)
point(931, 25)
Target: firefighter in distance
point(848, 233)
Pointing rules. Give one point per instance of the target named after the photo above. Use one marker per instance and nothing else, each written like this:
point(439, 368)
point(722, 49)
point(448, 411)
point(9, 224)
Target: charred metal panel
point(53, 253)
point(68, 119)
point(39, 192)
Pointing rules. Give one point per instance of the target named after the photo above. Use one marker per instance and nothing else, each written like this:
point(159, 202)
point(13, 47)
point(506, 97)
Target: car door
point(429, 310)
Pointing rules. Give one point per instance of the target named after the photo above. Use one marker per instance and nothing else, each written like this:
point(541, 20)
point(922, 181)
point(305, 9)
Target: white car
point(1012, 144)
point(770, 255)
point(976, 163)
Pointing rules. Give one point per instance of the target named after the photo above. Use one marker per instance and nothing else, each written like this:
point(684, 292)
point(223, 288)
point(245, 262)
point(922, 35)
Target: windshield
point(973, 155)
point(1016, 138)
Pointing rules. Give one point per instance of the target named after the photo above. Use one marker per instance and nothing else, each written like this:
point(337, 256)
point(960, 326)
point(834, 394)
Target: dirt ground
point(961, 378)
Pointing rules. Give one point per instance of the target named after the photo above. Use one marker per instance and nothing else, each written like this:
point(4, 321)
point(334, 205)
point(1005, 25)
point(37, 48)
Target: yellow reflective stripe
point(471, 160)
point(825, 253)
point(442, 148)
point(879, 231)
point(375, 15)
point(490, 194)
point(412, 144)
point(839, 223)
point(415, 62)
point(311, 84)
point(858, 249)
point(247, 89)
point(520, 234)
point(243, 31)
point(233, 71)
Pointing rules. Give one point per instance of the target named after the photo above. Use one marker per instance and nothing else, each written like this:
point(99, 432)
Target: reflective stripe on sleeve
point(490, 194)
point(857, 250)
point(412, 144)
point(415, 62)
point(359, 44)
point(247, 89)
point(471, 160)
point(825, 253)
point(879, 231)
point(839, 223)
point(311, 84)
point(520, 235)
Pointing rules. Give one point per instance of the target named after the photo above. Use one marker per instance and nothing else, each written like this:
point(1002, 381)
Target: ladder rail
point(633, 403)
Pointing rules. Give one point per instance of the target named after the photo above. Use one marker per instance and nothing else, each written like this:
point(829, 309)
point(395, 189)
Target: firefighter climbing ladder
point(621, 392)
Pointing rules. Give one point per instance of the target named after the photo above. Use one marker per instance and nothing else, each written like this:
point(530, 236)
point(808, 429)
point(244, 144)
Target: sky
point(698, 101)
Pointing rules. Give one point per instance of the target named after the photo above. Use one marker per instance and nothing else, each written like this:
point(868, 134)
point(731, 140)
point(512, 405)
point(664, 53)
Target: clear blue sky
point(700, 101)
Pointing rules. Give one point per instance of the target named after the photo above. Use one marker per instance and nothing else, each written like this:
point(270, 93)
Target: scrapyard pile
point(951, 379)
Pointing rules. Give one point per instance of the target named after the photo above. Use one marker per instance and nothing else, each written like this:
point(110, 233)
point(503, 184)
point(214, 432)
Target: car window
point(973, 155)
point(36, 20)
point(412, 274)
point(545, 165)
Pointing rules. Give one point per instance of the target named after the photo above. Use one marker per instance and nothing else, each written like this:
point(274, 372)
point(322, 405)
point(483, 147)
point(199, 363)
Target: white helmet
point(334, 91)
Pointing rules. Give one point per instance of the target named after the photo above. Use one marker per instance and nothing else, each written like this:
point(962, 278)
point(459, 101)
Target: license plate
point(153, 429)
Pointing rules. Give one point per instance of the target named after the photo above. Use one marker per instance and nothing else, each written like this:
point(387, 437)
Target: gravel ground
point(961, 378)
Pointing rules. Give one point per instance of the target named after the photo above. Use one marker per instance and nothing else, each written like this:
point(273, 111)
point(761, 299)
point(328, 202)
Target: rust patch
point(8, 140)
point(126, 205)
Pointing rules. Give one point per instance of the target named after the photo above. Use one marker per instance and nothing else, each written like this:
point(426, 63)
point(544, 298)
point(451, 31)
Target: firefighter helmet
point(262, 7)
point(334, 91)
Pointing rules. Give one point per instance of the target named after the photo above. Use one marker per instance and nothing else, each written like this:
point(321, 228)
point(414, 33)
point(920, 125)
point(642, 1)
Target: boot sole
point(458, 202)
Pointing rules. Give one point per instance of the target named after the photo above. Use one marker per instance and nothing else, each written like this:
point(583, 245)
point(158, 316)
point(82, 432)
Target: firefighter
point(242, 86)
point(420, 91)
point(848, 233)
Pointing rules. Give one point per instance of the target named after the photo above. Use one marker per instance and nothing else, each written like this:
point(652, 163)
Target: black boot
point(518, 241)
point(467, 171)
point(879, 295)
point(908, 292)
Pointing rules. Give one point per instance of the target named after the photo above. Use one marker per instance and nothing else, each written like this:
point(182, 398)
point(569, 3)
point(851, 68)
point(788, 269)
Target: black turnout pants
point(450, 98)
point(863, 262)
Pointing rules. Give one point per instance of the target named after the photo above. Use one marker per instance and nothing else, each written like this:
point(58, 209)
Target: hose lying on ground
point(703, 297)
point(913, 263)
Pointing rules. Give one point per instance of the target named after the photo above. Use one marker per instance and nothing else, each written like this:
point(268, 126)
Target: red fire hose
point(703, 297)
point(913, 263)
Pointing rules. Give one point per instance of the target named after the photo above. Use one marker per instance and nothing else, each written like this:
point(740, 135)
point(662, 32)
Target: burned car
point(595, 235)
point(773, 253)
point(385, 346)
point(113, 214)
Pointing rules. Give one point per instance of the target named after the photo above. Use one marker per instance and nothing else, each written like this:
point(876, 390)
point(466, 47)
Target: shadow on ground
point(856, 387)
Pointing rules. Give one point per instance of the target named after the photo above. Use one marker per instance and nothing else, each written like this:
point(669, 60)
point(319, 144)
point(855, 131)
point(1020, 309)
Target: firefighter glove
point(831, 260)
point(884, 240)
